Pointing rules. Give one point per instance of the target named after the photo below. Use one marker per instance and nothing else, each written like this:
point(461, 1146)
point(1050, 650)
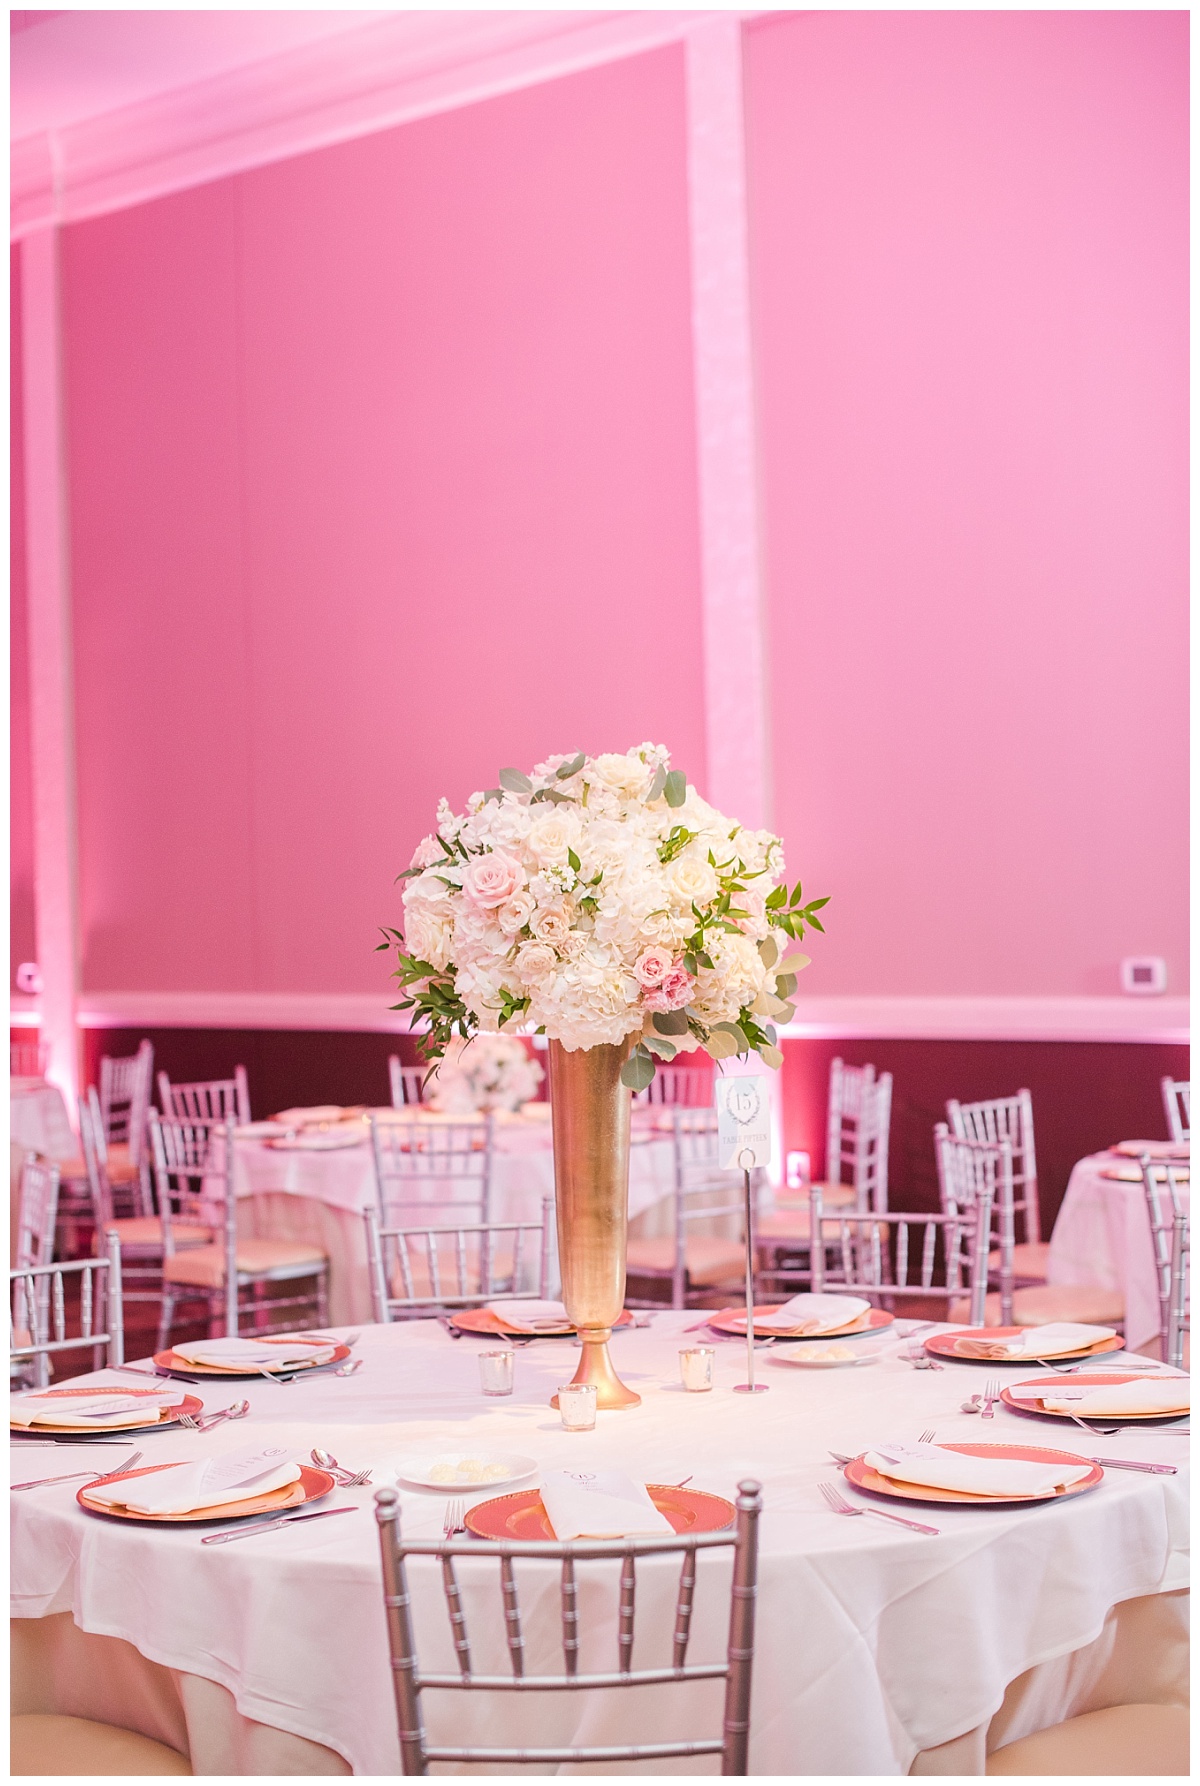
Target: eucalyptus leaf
point(736, 1031)
point(769, 951)
point(637, 1072)
point(572, 767)
point(675, 788)
point(720, 1045)
point(492, 794)
point(794, 964)
point(516, 781)
point(785, 985)
point(657, 785)
point(772, 1055)
point(657, 1045)
point(670, 1023)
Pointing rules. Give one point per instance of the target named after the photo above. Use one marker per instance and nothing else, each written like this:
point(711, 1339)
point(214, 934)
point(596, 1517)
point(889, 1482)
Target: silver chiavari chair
point(405, 1082)
point(40, 1296)
point(37, 1212)
point(874, 1254)
point(207, 1100)
point(193, 1170)
point(419, 1272)
point(126, 1082)
point(857, 1134)
point(691, 1087)
point(1170, 1238)
point(27, 1059)
point(411, 1682)
point(1177, 1102)
point(967, 1168)
point(693, 1264)
point(432, 1168)
point(1011, 1120)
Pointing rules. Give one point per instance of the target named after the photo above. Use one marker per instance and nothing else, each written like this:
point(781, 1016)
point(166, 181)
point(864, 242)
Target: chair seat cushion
point(48, 1743)
point(146, 1230)
point(710, 1260)
point(1052, 1302)
point(121, 1169)
point(833, 1196)
point(1121, 1739)
point(784, 1225)
point(205, 1265)
point(1030, 1260)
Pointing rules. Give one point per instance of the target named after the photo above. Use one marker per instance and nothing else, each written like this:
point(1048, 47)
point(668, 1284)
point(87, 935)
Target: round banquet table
point(1102, 1236)
point(38, 1119)
point(878, 1651)
point(290, 1193)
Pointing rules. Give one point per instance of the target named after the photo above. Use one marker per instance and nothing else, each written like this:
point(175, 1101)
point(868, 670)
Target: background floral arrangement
point(601, 898)
point(483, 1073)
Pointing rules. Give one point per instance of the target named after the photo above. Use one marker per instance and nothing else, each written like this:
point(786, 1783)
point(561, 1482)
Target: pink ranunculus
point(491, 879)
point(678, 988)
point(652, 966)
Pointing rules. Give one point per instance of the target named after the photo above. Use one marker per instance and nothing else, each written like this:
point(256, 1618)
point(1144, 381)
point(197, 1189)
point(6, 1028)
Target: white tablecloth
point(873, 1644)
point(1102, 1236)
point(319, 1197)
point(38, 1119)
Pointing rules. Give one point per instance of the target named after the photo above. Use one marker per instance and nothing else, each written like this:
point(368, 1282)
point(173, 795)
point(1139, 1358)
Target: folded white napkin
point(248, 1353)
point(933, 1467)
point(300, 1114)
point(1158, 1150)
point(809, 1313)
point(1149, 1395)
point(533, 1315)
point(118, 1409)
point(1050, 1341)
point(215, 1482)
point(600, 1504)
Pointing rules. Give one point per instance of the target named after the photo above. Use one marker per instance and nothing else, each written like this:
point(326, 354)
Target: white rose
point(693, 880)
point(427, 934)
point(549, 839)
point(550, 925)
point(515, 913)
point(535, 963)
point(624, 774)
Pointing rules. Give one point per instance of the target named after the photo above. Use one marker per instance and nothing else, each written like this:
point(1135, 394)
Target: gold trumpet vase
point(590, 1112)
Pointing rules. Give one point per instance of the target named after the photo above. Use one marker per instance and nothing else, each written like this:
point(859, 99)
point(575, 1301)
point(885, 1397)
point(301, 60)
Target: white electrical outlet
point(1144, 973)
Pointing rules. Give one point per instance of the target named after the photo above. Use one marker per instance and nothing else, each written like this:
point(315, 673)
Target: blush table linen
point(1102, 1236)
point(878, 1651)
point(318, 1197)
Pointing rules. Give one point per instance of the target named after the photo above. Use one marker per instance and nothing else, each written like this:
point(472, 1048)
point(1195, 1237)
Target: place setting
point(1123, 1160)
point(523, 1319)
point(969, 1474)
point(87, 1412)
point(806, 1317)
point(281, 1360)
point(1064, 1340)
point(264, 1484)
point(1131, 1399)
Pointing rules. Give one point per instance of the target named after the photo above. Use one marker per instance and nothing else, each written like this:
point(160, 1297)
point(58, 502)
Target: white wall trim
point(735, 684)
point(388, 72)
point(51, 699)
point(931, 1019)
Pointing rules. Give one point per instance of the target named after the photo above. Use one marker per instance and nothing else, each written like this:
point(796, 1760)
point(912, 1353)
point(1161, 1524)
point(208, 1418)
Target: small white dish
point(427, 1470)
point(813, 1359)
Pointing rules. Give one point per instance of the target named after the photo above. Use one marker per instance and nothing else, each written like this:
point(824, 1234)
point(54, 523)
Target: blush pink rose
point(674, 992)
point(652, 967)
point(490, 880)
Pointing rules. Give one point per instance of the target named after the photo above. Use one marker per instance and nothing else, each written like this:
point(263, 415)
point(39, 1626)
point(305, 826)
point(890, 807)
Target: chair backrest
point(410, 1681)
point(1170, 1240)
point(27, 1059)
point(207, 1100)
point(37, 1210)
point(406, 1083)
point(439, 1269)
point(193, 1166)
point(125, 1085)
point(858, 1132)
point(698, 1177)
point(1177, 1102)
point(38, 1306)
point(875, 1253)
point(965, 1169)
point(431, 1167)
point(95, 1159)
point(1011, 1120)
point(690, 1086)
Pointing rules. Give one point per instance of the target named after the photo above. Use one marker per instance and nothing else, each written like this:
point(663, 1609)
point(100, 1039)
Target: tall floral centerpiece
point(483, 1073)
point(603, 903)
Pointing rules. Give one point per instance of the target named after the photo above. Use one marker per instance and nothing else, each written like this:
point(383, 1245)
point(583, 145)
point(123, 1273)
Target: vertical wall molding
point(735, 684)
point(52, 729)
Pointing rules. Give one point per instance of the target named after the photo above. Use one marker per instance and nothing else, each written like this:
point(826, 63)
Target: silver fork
point(454, 1521)
point(926, 1437)
point(991, 1394)
point(838, 1504)
point(76, 1475)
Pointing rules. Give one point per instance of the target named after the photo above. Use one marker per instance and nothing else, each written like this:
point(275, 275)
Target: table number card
point(743, 1121)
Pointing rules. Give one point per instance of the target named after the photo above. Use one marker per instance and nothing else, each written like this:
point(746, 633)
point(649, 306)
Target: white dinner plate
point(417, 1472)
point(260, 1131)
point(803, 1356)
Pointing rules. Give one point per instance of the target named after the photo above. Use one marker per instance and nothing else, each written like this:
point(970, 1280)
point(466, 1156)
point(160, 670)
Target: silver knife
point(271, 1525)
point(1127, 1463)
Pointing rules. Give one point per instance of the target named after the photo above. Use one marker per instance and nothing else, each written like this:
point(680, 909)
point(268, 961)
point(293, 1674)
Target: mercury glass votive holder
point(496, 1372)
point(577, 1406)
point(696, 1367)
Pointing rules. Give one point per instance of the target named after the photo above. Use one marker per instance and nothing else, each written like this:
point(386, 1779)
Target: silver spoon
point(971, 1406)
point(348, 1369)
point(235, 1411)
point(345, 1478)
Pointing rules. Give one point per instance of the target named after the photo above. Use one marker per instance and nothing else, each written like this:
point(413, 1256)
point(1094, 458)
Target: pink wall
point(969, 242)
point(383, 475)
point(22, 944)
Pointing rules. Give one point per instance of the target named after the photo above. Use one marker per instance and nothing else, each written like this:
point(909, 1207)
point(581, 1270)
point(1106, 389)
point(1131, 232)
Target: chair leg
point(323, 1296)
point(166, 1316)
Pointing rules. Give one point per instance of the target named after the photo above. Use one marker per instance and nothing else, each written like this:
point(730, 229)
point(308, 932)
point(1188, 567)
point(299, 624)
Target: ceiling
point(114, 108)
